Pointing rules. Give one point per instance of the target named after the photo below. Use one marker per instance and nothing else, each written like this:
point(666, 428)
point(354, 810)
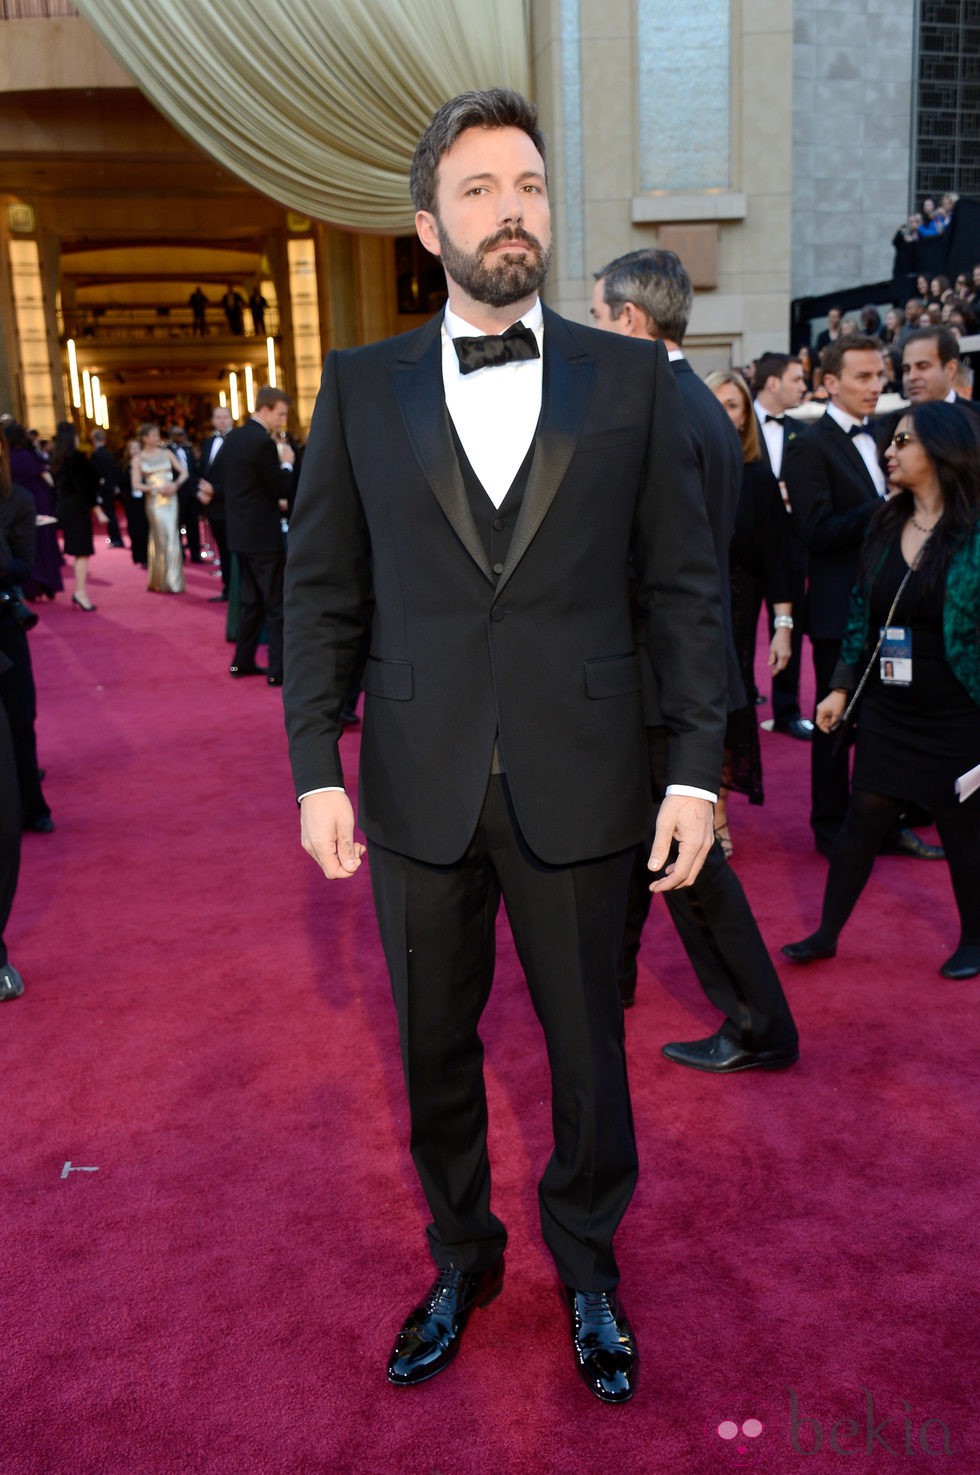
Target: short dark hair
point(497, 107)
point(772, 366)
point(268, 396)
point(832, 358)
point(654, 281)
point(947, 343)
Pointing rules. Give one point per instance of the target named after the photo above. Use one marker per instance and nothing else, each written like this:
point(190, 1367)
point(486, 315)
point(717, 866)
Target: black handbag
point(844, 730)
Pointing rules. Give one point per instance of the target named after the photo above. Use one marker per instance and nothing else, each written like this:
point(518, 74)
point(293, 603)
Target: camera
point(12, 607)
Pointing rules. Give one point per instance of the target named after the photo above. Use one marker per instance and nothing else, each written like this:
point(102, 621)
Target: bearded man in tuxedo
point(472, 494)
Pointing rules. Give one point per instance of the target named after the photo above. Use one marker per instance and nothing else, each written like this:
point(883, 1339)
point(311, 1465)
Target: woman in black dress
point(919, 728)
point(759, 564)
point(76, 485)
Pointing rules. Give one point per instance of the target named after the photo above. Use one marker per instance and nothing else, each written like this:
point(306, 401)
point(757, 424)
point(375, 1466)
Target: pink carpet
point(211, 1227)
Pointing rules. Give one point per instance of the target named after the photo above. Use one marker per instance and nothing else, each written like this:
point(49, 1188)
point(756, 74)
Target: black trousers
point(19, 697)
point(10, 826)
point(190, 512)
point(219, 532)
point(437, 928)
point(720, 936)
point(139, 531)
point(830, 774)
point(261, 601)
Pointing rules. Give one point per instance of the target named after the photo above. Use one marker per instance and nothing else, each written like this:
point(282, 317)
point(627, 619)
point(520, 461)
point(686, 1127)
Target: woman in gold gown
point(157, 473)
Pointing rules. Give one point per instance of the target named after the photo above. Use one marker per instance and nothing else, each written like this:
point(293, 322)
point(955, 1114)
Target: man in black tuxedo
point(780, 387)
point(11, 983)
point(211, 491)
point(930, 357)
point(190, 507)
point(834, 484)
point(109, 488)
point(257, 474)
point(647, 295)
point(472, 496)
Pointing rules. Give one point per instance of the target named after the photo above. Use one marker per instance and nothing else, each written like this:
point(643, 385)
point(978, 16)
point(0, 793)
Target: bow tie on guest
point(517, 344)
point(861, 430)
point(775, 420)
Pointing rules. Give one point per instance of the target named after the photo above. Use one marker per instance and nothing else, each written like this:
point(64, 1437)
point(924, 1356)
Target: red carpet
point(207, 1025)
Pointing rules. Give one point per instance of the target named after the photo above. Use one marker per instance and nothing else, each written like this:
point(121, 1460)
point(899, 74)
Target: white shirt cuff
point(691, 793)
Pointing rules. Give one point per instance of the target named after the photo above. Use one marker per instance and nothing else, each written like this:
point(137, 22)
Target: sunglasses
point(903, 438)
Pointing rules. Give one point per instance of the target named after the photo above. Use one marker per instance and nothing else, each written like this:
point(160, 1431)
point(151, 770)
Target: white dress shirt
point(865, 444)
point(495, 410)
point(774, 436)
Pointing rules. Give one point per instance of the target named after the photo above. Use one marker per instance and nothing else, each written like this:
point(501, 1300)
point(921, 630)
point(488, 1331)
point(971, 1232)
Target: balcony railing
point(160, 324)
point(35, 9)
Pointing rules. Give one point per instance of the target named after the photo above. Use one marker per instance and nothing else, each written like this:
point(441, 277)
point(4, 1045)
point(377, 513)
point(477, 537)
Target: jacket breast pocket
point(613, 676)
point(394, 680)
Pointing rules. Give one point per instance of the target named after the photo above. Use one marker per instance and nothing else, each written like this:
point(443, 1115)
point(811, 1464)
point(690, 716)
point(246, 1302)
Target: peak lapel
point(416, 379)
point(568, 373)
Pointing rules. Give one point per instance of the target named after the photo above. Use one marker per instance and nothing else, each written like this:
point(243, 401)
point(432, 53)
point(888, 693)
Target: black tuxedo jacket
point(542, 653)
point(832, 496)
point(254, 482)
point(214, 472)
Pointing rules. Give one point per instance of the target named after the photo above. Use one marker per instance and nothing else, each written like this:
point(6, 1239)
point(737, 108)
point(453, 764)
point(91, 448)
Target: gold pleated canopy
point(316, 103)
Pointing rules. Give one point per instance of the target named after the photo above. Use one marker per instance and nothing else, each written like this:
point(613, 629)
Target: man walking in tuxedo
point(781, 385)
point(471, 493)
point(648, 295)
point(834, 484)
point(190, 507)
point(257, 479)
point(109, 488)
point(211, 491)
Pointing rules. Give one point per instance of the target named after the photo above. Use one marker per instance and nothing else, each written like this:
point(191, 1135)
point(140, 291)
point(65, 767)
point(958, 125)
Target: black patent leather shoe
point(247, 671)
point(806, 951)
point(274, 680)
point(430, 1338)
point(798, 727)
point(965, 963)
point(604, 1346)
point(723, 1056)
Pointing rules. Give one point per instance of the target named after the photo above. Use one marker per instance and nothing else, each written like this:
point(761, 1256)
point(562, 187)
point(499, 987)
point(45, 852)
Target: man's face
point(924, 376)
point(492, 225)
point(278, 416)
point(833, 319)
point(602, 312)
point(221, 420)
point(857, 387)
point(790, 389)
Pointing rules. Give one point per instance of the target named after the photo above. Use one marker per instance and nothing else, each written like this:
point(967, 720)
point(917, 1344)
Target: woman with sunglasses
point(919, 716)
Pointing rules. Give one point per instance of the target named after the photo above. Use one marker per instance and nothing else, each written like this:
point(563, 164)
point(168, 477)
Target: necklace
point(918, 525)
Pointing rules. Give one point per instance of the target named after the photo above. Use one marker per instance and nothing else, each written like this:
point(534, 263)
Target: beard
point(501, 281)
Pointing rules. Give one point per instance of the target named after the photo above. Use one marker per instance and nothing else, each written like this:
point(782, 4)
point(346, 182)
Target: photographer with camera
point(17, 691)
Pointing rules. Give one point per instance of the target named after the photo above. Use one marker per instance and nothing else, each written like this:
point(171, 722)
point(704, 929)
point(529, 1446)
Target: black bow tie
point(861, 430)
point(775, 419)
point(516, 344)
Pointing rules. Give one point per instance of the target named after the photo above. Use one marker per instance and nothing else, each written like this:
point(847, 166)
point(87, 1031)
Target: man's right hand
point(327, 832)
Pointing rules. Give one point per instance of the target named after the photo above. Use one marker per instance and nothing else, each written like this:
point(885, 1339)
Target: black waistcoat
point(494, 524)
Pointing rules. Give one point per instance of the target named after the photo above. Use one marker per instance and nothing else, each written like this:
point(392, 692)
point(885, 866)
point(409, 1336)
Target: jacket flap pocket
point(612, 676)
point(392, 679)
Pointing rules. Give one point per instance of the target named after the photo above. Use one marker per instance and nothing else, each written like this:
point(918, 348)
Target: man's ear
point(428, 232)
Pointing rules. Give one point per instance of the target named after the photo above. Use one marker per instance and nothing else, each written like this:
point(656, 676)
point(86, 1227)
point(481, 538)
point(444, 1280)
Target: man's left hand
point(689, 821)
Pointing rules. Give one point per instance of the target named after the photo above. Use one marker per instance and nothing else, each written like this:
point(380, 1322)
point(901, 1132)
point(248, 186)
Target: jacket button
point(498, 524)
point(498, 568)
point(497, 613)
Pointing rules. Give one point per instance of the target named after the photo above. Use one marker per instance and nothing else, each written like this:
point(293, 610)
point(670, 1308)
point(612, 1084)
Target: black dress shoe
point(43, 825)
point(349, 718)
point(907, 842)
point(274, 680)
point(797, 727)
point(965, 963)
point(218, 599)
point(430, 1338)
point(247, 671)
point(605, 1348)
point(722, 1056)
point(807, 951)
